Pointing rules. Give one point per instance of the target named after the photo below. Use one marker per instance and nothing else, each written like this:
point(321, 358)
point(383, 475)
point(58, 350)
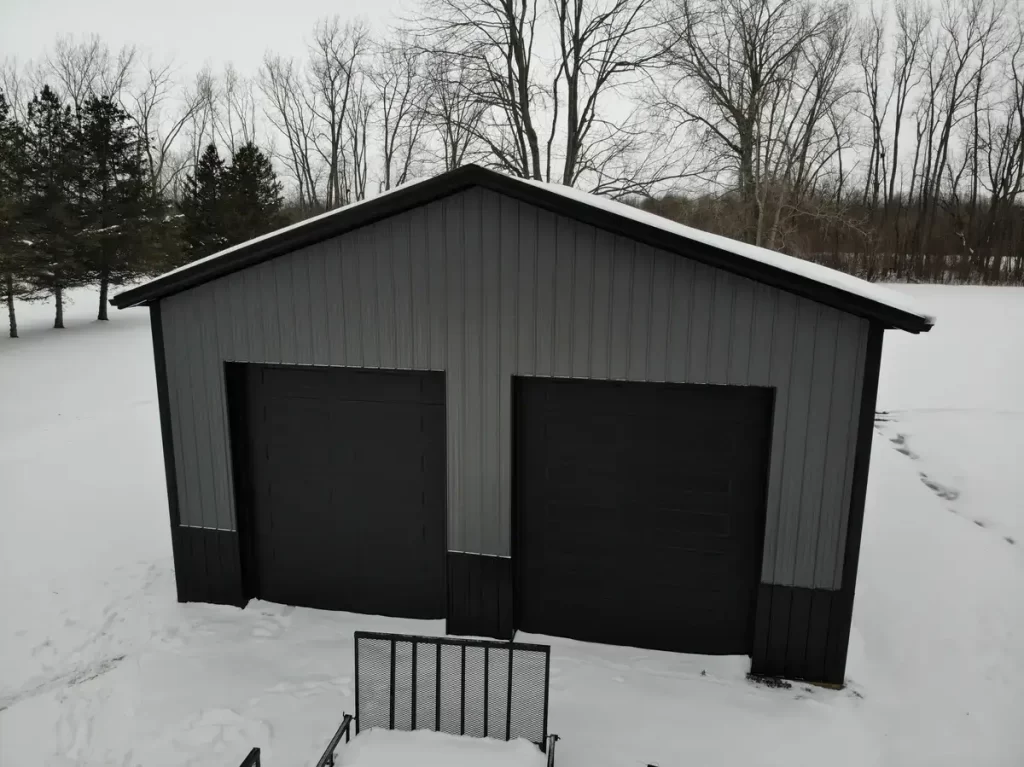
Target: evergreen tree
point(121, 212)
point(202, 207)
point(12, 236)
point(53, 204)
point(252, 196)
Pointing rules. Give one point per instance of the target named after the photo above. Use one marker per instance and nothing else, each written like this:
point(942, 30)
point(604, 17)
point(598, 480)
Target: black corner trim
point(480, 595)
point(207, 566)
point(320, 228)
point(164, 406)
point(842, 611)
point(805, 633)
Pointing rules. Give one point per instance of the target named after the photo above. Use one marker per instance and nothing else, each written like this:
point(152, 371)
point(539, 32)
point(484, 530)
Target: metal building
point(518, 406)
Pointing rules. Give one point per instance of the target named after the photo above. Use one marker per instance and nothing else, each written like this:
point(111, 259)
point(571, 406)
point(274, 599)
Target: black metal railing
point(459, 686)
point(552, 740)
point(327, 760)
point(252, 760)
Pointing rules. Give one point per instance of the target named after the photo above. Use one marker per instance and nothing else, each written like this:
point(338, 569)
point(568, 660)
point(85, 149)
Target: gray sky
point(193, 31)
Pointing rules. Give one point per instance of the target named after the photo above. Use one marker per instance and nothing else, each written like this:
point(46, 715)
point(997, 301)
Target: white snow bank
point(384, 748)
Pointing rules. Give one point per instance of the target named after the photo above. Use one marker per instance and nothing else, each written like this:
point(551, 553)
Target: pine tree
point(12, 237)
point(121, 212)
point(53, 202)
point(202, 207)
point(252, 195)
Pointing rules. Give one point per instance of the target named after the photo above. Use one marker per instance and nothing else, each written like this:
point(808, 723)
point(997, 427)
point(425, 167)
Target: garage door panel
point(349, 494)
point(641, 524)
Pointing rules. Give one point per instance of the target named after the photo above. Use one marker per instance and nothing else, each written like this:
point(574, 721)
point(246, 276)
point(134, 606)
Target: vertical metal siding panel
point(233, 315)
point(419, 265)
point(640, 313)
point(269, 311)
point(761, 349)
point(227, 343)
point(495, 536)
point(437, 301)
point(508, 212)
point(456, 402)
point(253, 298)
point(545, 287)
point(703, 289)
point(582, 301)
point(620, 331)
point(564, 255)
point(198, 413)
point(795, 448)
point(526, 297)
point(851, 452)
point(661, 316)
point(178, 351)
point(721, 328)
point(814, 511)
point(368, 299)
point(352, 311)
point(380, 235)
point(842, 419)
point(683, 276)
point(335, 297)
point(285, 308)
point(299, 306)
point(602, 265)
point(211, 372)
point(316, 268)
point(474, 462)
point(405, 299)
point(779, 374)
point(741, 332)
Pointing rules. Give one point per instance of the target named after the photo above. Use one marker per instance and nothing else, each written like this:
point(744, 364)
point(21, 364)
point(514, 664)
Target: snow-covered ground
point(100, 666)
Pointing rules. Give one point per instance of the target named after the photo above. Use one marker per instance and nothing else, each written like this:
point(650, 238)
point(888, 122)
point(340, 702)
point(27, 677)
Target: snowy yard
point(100, 666)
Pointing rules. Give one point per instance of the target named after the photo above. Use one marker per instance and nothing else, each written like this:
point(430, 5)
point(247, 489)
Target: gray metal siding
point(485, 288)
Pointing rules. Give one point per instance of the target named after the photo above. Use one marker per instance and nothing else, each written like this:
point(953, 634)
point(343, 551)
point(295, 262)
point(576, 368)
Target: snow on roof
point(812, 271)
point(806, 269)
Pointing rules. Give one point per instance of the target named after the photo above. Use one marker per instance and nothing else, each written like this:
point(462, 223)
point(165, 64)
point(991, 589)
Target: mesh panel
point(529, 674)
point(470, 687)
point(374, 682)
point(403, 686)
point(426, 686)
point(497, 694)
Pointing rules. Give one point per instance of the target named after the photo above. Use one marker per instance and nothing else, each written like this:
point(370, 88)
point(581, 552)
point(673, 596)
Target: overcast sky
point(193, 31)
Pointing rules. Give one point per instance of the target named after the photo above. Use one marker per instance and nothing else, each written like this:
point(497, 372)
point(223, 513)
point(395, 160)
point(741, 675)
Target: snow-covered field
point(100, 666)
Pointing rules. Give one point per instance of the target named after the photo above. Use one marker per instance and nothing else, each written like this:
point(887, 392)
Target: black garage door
point(347, 484)
point(640, 512)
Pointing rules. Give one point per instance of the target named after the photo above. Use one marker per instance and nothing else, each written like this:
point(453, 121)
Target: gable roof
point(804, 278)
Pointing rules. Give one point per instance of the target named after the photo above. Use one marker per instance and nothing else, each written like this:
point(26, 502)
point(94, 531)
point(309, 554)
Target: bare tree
point(234, 110)
point(398, 81)
point(357, 130)
point(759, 78)
point(603, 47)
point(452, 112)
point(288, 111)
point(335, 57)
point(150, 103)
point(495, 40)
point(87, 67)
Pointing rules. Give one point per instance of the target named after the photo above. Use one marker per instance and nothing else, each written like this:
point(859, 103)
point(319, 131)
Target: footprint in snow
point(946, 493)
point(900, 441)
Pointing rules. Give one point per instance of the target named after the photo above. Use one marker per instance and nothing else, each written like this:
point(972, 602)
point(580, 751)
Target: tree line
point(886, 141)
point(79, 204)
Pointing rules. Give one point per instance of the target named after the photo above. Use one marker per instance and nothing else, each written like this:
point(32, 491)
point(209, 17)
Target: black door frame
point(237, 391)
point(517, 478)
